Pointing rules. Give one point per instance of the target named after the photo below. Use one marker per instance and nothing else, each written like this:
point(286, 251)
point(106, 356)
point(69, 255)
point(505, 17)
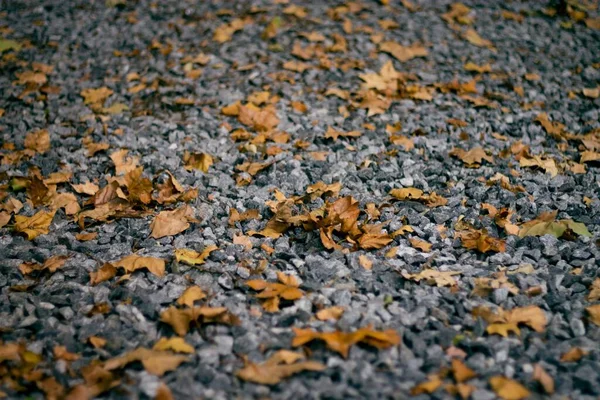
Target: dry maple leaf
point(503, 322)
point(485, 286)
point(96, 96)
point(334, 313)
point(403, 53)
point(176, 344)
point(180, 319)
point(508, 389)
point(236, 216)
point(170, 223)
point(200, 161)
point(133, 262)
point(472, 158)
point(38, 141)
point(192, 257)
point(224, 32)
point(280, 365)
point(594, 314)
point(479, 240)
point(104, 273)
point(37, 224)
point(461, 372)
point(594, 294)
point(433, 277)
point(430, 200)
point(547, 164)
point(334, 134)
point(123, 164)
point(51, 265)
point(433, 383)
point(190, 295)
point(544, 379)
point(342, 341)
point(420, 244)
point(272, 292)
point(154, 362)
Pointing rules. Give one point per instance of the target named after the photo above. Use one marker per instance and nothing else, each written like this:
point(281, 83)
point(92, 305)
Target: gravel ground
point(171, 67)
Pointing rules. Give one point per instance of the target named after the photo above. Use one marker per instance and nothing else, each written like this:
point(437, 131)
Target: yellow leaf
point(176, 344)
point(133, 262)
point(170, 223)
point(192, 257)
point(365, 262)
point(277, 368)
point(190, 295)
point(508, 389)
point(334, 313)
point(36, 225)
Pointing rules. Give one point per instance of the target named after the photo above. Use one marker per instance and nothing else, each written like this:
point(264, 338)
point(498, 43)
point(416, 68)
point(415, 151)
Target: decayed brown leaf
point(192, 257)
point(104, 273)
point(190, 295)
point(170, 223)
point(573, 355)
point(133, 262)
point(236, 216)
point(547, 164)
point(334, 312)
point(341, 341)
point(503, 322)
point(594, 314)
point(201, 161)
point(51, 265)
point(88, 188)
point(472, 158)
point(123, 163)
point(280, 365)
point(272, 292)
point(433, 383)
point(485, 286)
point(176, 344)
point(155, 362)
point(38, 141)
point(334, 134)
point(403, 53)
point(473, 37)
point(420, 244)
point(431, 200)
point(96, 96)
point(479, 240)
point(461, 372)
point(594, 294)
point(508, 389)
point(180, 319)
point(37, 224)
point(544, 379)
point(433, 277)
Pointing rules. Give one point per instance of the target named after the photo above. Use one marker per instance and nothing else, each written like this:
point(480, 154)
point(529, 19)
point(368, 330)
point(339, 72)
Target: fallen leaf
point(192, 257)
point(430, 200)
point(272, 292)
point(420, 244)
point(543, 378)
point(461, 372)
point(473, 37)
point(403, 53)
point(133, 262)
point(96, 96)
point(200, 161)
point(176, 344)
point(546, 224)
point(594, 314)
point(428, 387)
point(341, 341)
point(508, 389)
point(433, 277)
point(334, 312)
point(170, 223)
point(163, 393)
point(88, 188)
point(190, 295)
point(104, 273)
point(154, 362)
point(97, 342)
point(279, 366)
point(573, 355)
point(333, 134)
point(51, 265)
point(503, 322)
point(479, 240)
point(365, 262)
point(180, 319)
point(594, 294)
point(472, 158)
point(38, 141)
point(36, 225)
point(123, 163)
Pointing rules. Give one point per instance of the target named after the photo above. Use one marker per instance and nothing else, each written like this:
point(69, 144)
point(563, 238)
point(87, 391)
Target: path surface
point(464, 228)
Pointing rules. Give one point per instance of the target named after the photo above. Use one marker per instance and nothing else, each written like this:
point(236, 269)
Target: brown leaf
point(429, 386)
point(163, 393)
point(86, 236)
point(236, 216)
point(479, 240)
point(503, 322)
point(334, 134)
point(334, 312)
point(472, 158)
point(176, 344)
point(154, 362)
point(133, 262)
point(287, 289)
point(170, 223)
point(279, 366)
point(88, 188)
point(403, 53)
point(341, 341)
point(51, 265)
point(574, 355)
point(93, 96)
point(473, 37)
point(594, 294)
point(104, 273)
point(543, 378)
point(38, 141)
point(430, 200)
point(180, 319)
point(123, 163)
point(461, 372)
point(200, 161)
point(420, 244)
point(433, 277)
point(36, 225)
point(192, 257)
point(508, 389)
point(190, 295)
point(365, 262)
point(594, 314)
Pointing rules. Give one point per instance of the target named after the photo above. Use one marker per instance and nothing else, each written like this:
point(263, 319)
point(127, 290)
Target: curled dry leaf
point(342, 341)
point(133, 262)
point(192, 257)
point(479, 240)
point(37, 224)
point(430, 200)
point(236, 216)
point(180, 319)
point(200, 161)
point(433, 277)
point(420, 244)
point(279, 366)
point(51, 265)
point(176, 344)
point(272, 292)
point(403, 53)
point(155, 362)
point(503, 322)
point(508, 389)
point(473, 158)
point(485, 286)
point(104, 273)
point(170, 223)
point(190, 295)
